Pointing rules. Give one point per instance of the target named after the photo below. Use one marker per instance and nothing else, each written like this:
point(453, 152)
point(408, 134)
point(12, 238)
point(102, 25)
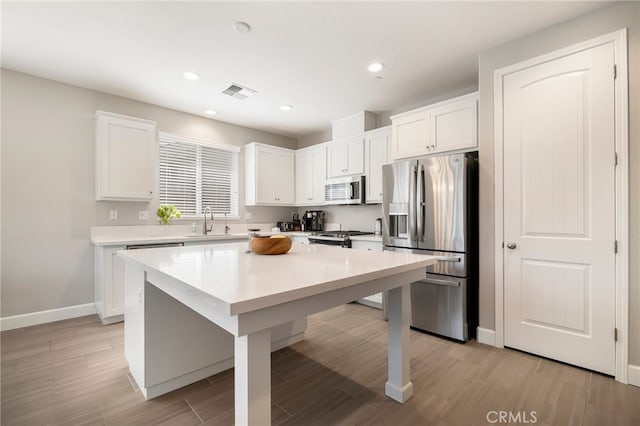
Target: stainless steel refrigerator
point(430, 206)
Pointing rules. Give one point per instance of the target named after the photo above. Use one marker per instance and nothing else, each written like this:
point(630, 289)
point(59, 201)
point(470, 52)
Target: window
point(195, 175)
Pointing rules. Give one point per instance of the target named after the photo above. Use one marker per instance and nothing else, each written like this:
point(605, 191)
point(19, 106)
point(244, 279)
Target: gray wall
point(48, 177)
point(603, 21)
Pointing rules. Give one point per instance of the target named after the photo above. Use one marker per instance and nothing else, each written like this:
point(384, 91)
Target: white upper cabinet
point(446, 126)
point(270, 173)
point(311, 174)
point(345, 156)
point(125, 157)
point(454, 125)
point(377, 147)
point(410, 133)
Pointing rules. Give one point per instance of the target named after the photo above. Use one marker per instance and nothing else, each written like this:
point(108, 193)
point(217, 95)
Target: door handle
point(448, 283)
point(449, 259)
point(413, 177)
point(511, 246)
point(420, 202)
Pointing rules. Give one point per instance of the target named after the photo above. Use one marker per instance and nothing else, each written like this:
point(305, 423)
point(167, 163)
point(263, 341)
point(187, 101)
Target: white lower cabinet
point(109, 278)
point(375, 300)
point(109, 284)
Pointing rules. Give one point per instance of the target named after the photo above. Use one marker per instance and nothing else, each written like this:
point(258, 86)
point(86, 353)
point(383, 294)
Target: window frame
point(164, 137)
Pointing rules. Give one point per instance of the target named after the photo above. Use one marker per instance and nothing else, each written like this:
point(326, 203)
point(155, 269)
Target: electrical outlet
point(143, 214)
point(247, 215)
point(113, 214)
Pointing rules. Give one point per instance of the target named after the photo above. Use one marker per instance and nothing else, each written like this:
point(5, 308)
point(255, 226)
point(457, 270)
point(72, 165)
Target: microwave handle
point(351, 191)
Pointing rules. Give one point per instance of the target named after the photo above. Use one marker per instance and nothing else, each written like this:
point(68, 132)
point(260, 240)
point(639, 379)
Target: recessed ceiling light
point(375, 66)
point(210, 112)
point(286, 107)
point(190, 75)
point(242, 27)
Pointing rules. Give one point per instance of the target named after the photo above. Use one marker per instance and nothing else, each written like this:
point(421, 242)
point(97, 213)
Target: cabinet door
point(304, 177)
point(410, 135)
point(284, 178)
point(346, 157)
point(355, 155)
point(318, 160)
point(109, 283)
point(266, 172)
point(376, 146)
point(125, 158)
point(453, 126)
point(337, 163)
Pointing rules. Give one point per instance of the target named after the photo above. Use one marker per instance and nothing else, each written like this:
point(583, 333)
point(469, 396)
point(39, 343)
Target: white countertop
point(240, 282)
point(155, 234)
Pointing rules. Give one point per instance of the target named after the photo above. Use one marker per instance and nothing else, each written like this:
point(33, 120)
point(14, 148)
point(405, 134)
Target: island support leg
point(398, 386)
point(253, 379)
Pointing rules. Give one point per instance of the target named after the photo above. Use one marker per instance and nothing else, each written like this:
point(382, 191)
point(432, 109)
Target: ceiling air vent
point(238, 92)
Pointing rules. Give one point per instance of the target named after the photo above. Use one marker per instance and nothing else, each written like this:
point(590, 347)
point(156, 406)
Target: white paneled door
point(559, 209)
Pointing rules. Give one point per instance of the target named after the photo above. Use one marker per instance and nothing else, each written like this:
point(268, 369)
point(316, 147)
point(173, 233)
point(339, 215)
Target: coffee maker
point(313, 220)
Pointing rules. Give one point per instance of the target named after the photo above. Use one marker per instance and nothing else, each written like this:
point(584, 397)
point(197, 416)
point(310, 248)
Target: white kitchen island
point(260, 302)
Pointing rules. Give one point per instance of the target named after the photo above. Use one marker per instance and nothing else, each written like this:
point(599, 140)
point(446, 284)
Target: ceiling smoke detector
point(237, 91)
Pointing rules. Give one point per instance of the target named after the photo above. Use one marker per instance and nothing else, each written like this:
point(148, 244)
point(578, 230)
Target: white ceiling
point(312, 55)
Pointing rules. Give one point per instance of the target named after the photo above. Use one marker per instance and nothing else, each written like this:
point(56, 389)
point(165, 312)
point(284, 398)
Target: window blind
point(194, 175)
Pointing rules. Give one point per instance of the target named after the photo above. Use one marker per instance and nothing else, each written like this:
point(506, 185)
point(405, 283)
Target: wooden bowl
point(268, 245)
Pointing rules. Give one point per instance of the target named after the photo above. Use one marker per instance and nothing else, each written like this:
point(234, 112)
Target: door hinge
point(615, 246)
point(615, 71)
point(615, 159)
point(615, 334)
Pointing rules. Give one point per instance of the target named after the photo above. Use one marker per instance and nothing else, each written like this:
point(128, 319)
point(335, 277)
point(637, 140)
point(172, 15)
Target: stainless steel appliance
point(346, 190)
point(313, 220)
point(430, 206)
point(335, 238)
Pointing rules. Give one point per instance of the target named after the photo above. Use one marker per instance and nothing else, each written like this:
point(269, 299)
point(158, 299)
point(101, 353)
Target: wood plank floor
point(74, 373)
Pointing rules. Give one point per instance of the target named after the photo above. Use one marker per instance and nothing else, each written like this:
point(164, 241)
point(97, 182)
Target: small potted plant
point(166, 212)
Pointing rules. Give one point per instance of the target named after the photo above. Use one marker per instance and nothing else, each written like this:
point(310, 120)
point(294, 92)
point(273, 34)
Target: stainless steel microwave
point(346, 190)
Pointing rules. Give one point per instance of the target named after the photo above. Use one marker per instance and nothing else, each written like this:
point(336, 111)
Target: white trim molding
point(486, 336)
point(621, 87)
point(41, 317)
point(634, 375)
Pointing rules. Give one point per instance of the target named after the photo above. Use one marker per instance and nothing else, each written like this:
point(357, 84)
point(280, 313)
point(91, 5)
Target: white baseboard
point(35, 318)
point(486, 336)
point(634, 375)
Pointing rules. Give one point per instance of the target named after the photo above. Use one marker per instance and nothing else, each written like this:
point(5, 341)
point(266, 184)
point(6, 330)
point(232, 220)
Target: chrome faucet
point(226, 227)
point(206, 230)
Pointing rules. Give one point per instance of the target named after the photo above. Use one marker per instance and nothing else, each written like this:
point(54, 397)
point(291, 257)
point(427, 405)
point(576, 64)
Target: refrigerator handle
point(412, 202)
point(420, 203)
